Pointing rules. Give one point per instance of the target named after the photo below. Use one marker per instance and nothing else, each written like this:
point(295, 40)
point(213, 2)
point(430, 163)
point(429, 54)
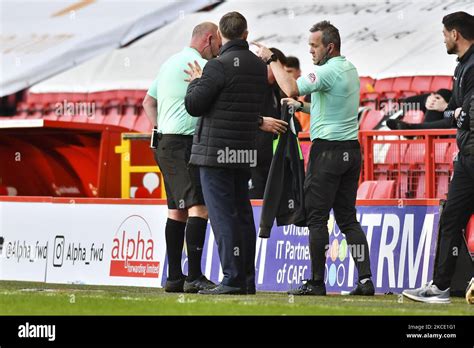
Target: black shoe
point(366, 289)
point(222, 289)
point(174, 285)
point(201, 283)
point(251, 290)
point(309, 288)
point(397, 124)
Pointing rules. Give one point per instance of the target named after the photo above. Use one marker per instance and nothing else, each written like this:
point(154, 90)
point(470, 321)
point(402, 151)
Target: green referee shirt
point(334, 89)
point(169, 90)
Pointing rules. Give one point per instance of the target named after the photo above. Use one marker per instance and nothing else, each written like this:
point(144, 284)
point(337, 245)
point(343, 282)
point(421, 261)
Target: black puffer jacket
point(229, 99)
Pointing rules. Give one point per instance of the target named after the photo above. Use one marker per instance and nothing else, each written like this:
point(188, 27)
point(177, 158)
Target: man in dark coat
point(228, 95)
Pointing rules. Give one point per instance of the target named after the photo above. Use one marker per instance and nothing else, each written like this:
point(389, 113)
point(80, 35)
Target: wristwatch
point(299, 108)
point(273, 58)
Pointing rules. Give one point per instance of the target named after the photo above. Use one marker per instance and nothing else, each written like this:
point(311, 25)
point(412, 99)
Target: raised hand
point(194, 72)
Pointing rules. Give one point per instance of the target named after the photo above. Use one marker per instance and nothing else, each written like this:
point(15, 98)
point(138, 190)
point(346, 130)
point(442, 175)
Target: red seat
point(444, 169)
point(65, 118)
point(366, 85)
point(51, 117)
point(97, 117)
point(140, 94)
point(412, 168)
point(125, 93)
point(442, 185)
point(20, 116)
point(440, 82)
point(451, 153)
point(384, 189)
point(384, 85)
point(440, 151)
point(113, 118)
point(35, 98)
point(418, 183)
point(143, 124)
point(370, 119)
point(396, 153)
point(415, 154)
point(389, 169)
point(414, 116)
point(380, 88)
point(78, 97)
point(366, 189)
point(400, 85)
point(470, 235)
point(368, 103)
point(128, 121)
point(35, 115)
point(82, 118)
point(421, 84)
point(129, 110)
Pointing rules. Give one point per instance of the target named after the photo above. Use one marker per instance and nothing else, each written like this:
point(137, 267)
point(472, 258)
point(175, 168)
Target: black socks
point(174, 234)
point(195, 236)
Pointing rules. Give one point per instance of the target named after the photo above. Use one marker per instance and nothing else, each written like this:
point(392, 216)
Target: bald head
point(203, 29)
point(205, 40)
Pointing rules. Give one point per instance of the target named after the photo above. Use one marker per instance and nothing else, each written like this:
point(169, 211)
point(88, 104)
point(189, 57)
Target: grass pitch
point(26, 298)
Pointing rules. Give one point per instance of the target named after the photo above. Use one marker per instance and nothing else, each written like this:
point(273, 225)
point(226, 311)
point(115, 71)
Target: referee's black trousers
point(331, 183)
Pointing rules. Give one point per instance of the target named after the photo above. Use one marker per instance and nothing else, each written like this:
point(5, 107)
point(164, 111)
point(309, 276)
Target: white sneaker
point(470, 292)
point(428, 294)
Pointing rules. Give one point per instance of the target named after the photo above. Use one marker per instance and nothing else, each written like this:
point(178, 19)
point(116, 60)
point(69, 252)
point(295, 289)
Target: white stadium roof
point(382, 39)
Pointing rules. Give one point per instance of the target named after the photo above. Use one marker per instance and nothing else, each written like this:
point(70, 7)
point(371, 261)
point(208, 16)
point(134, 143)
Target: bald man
point(187, 214)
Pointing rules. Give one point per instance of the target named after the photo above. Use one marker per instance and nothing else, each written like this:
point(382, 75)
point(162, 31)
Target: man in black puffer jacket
point(228, 95)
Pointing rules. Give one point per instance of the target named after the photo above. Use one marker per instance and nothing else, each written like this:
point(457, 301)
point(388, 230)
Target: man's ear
point(246, 34)
point(219, 36)
point(455, 34)
point(330, 48)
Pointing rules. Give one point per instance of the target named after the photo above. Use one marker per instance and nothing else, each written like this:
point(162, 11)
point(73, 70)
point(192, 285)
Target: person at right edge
point(335, 159)
point(459, 39)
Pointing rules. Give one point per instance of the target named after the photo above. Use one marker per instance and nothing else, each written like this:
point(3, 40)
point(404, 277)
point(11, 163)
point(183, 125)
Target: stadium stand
point(402, 166)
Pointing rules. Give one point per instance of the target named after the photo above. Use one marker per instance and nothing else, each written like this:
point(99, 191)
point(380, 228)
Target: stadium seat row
point(380, 189)
point(370, 89)
point(130, 121)
point(371, 118)
point(403, 86)
point(406, 165)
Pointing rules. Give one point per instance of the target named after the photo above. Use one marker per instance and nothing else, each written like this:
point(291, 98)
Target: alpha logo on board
point(133, 250)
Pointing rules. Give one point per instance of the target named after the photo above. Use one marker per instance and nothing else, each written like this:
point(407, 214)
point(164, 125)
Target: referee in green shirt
point(335, 159)
point(187, 214)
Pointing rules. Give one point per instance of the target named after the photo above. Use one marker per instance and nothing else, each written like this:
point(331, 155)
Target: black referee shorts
point(182, 180)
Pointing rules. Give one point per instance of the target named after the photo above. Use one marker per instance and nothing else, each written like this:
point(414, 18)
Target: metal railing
point(420, 161)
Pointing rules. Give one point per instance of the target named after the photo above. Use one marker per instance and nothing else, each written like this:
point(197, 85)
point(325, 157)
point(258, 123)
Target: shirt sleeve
point(153, 90)
point(322, 79)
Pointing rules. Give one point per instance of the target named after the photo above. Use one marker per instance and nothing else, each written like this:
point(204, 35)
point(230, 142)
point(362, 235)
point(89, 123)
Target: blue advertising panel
point(402, 243)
